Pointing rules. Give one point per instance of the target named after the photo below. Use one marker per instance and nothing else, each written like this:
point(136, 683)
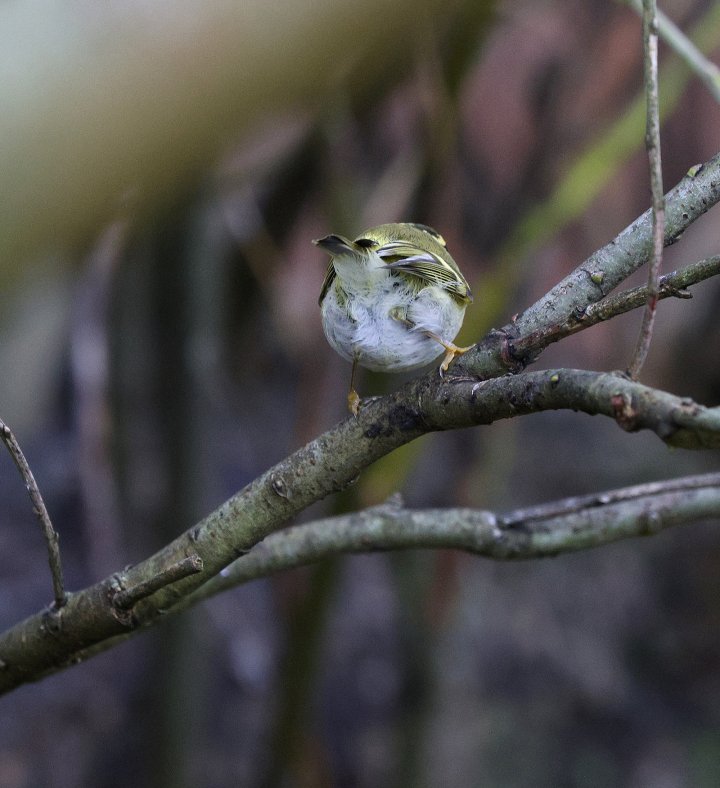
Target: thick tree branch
point(675, 420)
point(91, 618)
point(599, 520)
point(567, 525)
point(520, 342)
point(50, 640)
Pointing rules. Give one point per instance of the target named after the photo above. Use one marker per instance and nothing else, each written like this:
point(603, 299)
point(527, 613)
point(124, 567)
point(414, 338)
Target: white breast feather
point(364, 330)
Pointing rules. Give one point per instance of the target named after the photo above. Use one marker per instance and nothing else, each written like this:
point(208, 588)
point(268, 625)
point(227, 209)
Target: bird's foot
point(451, 352)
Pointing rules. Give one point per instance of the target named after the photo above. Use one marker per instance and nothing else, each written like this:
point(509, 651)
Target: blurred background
point(165, 166)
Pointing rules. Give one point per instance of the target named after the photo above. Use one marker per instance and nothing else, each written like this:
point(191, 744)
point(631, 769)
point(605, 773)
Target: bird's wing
point(329, 276)
point(426, 266)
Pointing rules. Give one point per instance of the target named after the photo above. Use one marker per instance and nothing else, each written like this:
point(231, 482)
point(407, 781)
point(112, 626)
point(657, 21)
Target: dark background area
point(170, 353)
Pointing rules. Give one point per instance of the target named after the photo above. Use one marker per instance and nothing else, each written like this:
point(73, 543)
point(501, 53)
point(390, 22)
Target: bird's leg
point(451, 351)
point(353, 398)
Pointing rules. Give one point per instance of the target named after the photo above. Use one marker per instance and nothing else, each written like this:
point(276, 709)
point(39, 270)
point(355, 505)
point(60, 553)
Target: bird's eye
point(365, 242)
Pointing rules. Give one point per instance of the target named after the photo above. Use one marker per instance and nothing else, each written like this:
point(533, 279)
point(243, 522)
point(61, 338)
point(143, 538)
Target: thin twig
point(51, 535)
point(578, 503)
point(128, 597)
point(672, 285)
point(705, 69)
point(652, 142)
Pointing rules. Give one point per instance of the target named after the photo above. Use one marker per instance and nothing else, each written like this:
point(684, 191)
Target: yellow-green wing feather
point(426, 266)
point(329, 276)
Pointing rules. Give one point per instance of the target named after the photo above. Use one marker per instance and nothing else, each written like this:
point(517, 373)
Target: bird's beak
point(335, 245)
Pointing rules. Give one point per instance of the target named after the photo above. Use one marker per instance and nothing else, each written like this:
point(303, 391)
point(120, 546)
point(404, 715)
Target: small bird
point(392, 300)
